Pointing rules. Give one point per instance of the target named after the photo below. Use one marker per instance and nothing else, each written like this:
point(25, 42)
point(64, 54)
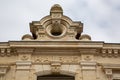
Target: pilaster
point(88, 70)
point(3, 70)
point(23, 70)
point(88, 64)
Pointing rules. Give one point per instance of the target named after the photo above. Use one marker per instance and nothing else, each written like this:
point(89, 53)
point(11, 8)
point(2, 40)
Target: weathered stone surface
point(57, 46)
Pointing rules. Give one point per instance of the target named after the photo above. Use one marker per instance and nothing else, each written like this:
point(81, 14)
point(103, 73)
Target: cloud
point(100, 17)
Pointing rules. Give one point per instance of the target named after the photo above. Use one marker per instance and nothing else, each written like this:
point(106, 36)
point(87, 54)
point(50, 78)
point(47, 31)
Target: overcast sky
point(101, 18)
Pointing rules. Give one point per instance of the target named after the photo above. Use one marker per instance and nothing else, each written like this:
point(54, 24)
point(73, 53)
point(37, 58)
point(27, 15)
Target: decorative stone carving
point(3, 69)
point(9, 53)
point(109, 68)
point(55, 26)
point(43, 59)
point(104, 52)
point(108, 72)
point(6, 52)
point(110, 53)
point(55, 15)
point(87, 58)
point(62, 59)
point(55, 66)
point(3, 52)
point(24, 57)
point(116, 52)
point(58, 46)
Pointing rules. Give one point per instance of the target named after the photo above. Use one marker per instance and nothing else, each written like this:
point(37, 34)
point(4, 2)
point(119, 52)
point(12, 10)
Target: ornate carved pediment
point(55, 26)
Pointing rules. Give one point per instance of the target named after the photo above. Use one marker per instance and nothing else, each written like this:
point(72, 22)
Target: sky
point(101, 18)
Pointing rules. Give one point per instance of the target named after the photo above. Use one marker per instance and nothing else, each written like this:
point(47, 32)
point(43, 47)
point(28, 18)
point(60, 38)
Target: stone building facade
point(57, 50)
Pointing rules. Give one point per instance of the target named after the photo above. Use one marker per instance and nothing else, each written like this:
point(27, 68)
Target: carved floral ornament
point(62, 59)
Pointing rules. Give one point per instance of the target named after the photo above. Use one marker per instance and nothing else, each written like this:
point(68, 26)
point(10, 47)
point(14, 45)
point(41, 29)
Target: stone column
point(88, 70)
point(23, 70)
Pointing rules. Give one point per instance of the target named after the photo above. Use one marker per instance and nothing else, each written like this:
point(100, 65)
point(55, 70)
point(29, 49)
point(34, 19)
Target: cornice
point(48, 44)
point(52, 47)
point(109, 52)
point(7, 52)
point(111, 66)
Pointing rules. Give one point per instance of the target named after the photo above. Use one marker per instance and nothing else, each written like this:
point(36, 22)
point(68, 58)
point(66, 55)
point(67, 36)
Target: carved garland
point(62, 59)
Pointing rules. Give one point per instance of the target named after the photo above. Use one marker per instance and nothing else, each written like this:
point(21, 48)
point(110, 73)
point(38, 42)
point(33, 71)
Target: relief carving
point(109, 73)
point(116, 53)
point(3, 53)
point(110, 53)
point(24, 58)
point(56, 15)
point(62, 59)
point(42, 59)
point(55, 66)
point(6, 52)
point(87, 58)
point(104, 53)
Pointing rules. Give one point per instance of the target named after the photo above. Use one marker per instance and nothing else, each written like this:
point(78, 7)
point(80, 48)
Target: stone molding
point(6, 52)
point(88, 65)
point(109, 52)
point(23, 65)
point(110, 66)
point(4, 68)
point(55, 67)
